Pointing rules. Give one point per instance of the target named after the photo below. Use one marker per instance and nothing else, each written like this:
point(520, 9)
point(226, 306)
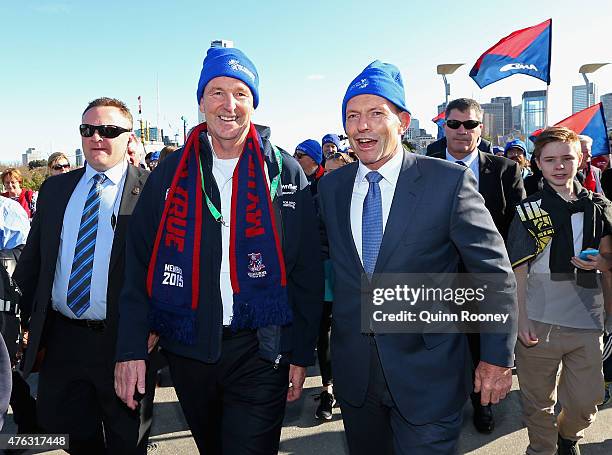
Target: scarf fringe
point(257, 310)
point(173, 323)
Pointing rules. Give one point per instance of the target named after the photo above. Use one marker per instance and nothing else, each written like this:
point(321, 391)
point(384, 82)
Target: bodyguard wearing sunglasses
point(70, 272)
point(500, 184)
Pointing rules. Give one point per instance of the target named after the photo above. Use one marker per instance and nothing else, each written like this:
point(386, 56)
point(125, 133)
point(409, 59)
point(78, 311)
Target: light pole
point(184, 130)
point(444, 70)
point(587, 69)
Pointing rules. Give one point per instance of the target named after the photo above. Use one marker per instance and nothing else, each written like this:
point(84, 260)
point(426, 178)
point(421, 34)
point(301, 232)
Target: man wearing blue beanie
point(310, 156)
point(330, 144)
point(234, 294)
point(398, 212)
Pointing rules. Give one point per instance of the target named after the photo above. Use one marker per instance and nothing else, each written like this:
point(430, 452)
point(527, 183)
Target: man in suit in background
point(70, 272)
point(439, 146)
point(501, 185)
point(403, 393)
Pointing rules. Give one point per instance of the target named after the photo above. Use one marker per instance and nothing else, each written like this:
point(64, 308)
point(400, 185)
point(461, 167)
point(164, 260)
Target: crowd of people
point(236, 263)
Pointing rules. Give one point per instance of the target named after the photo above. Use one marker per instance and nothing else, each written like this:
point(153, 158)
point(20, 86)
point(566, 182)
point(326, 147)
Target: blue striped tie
point(371, 223)
point(79, 285)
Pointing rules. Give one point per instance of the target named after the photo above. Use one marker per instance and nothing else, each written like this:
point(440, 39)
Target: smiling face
point(329, 148)
point(374, 127)
point(559, 162)
point(100, 152)
point(227, 104)
point(461, 142)
point(12, 186)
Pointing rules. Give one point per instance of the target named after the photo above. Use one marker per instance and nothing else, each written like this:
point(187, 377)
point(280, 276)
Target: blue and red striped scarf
point(257, 267)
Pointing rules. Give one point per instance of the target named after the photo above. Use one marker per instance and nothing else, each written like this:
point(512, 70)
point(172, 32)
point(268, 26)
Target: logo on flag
point(589, 122)
point(525, 51)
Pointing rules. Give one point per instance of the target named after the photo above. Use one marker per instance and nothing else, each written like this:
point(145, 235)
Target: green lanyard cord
point(273, 186)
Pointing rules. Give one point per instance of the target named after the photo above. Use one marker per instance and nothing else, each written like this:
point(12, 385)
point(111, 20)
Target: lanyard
point(273, 186)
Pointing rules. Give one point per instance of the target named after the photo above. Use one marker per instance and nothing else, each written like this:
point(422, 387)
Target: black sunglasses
point(468, 124)
point(107, 131)
point(298, 155)
point(59, 167)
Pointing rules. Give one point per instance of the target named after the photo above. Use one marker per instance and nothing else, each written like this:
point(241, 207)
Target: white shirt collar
point(114, 174)
point(467, 160)
point(390, 170)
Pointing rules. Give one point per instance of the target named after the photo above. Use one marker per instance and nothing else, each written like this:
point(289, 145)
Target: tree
point(37, 163)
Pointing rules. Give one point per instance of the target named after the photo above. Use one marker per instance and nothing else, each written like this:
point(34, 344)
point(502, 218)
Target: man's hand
point(526, 332)
point(492, 382)
point(152, 341)
point(297, 376)
point(129, 376)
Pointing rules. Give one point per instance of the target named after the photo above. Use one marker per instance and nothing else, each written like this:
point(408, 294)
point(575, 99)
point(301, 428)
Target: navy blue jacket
point(294, 211)
point(428, 374)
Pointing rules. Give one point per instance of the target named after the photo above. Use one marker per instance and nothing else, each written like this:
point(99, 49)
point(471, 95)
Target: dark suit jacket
point(36, 268)
point(501, 185)
point(428, 374)
point(439, 146)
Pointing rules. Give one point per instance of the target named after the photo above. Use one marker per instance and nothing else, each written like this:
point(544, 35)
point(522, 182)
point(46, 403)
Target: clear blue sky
point(59, 54)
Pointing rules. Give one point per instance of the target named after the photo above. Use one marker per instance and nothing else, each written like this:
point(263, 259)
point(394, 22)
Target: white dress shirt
point(112, 189)
point(472, 161)
point(223, 171)
point(390, 173)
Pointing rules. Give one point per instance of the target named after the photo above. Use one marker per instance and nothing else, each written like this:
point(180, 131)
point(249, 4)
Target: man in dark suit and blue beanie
point(221, 266)
point(403, 393)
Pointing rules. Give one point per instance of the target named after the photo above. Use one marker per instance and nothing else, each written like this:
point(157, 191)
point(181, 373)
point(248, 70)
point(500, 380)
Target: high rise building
point(533, 113)
point(506, 119)
point(579, 97)
point(30, 154)
point(493, 119)
point(606, 100)
point(78, 157)
point(516, 118)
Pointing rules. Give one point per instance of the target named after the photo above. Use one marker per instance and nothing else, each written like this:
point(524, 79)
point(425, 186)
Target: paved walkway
point(303, 435)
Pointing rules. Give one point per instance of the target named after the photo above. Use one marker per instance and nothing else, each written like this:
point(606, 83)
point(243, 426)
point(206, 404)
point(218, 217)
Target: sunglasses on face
point(299, 155)
point(107, 131)
point(59, 167)
point(468, 124)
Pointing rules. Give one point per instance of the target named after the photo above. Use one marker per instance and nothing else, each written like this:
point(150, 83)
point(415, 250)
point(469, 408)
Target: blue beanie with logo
point(311, 148)
point(229, 62)
point(378, 78)
point(331, 139)
point(516, 143)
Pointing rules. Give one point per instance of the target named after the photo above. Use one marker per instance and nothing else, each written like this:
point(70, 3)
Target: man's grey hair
point(585, 139)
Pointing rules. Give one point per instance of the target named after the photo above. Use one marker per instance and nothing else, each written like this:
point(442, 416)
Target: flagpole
point(546, 108)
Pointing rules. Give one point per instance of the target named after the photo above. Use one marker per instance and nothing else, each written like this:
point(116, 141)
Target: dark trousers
point(377, 427)
point(235, 406)
point(323, 345)
point(76, 395)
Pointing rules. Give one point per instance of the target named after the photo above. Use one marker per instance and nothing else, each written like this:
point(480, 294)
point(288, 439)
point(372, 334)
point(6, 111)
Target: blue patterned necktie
point(461, 163)
point(79, 285)
point(371, 223)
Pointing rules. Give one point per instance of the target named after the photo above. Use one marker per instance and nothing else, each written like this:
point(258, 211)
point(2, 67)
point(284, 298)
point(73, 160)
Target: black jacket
point(500, 184)
point(295, 214)
point(35, 270)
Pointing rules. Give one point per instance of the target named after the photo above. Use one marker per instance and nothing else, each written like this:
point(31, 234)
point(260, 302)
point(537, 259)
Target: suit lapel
point(56, 217)
point(343, 205)
point(486, 173)
point(407, 194)
point(131, 190)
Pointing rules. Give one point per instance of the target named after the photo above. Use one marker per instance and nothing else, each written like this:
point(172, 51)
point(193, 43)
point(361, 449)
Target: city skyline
point(61, 62)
